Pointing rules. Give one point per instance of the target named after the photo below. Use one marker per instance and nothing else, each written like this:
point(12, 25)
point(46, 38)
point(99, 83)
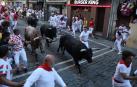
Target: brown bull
point(32, 36)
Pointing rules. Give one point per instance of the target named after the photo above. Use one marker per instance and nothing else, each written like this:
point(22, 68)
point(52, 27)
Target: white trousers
point(80, 27)
point(86, 43)
point(74, 30)
point(125, 37)
point(91, 29)
point(135, 72)
point(20, 54)
point(15, 24)
point(117, 45)
point(126, 84)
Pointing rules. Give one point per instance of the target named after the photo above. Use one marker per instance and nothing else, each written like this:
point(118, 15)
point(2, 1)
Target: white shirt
point(60, 15)
point(29, 10)
point(52, 21)
point(79, 22)
point(57, 20)
point(5, 69)
point(62, 24)
point(121, 28)
point(65, 18)
point(85, 35)
point(12, 14)
point(118, 37)
point(74, 25)
point(122, 68)
point(43, 78)
point(2, 20)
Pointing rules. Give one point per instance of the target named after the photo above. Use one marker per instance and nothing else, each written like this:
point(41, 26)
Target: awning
point(85, 5)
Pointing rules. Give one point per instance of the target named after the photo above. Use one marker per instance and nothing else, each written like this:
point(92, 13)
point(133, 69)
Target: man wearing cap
point(45, 75)
point(84, 36)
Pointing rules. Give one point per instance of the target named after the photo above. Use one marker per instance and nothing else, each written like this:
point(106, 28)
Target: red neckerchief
point(123, 62)
point(45, 67)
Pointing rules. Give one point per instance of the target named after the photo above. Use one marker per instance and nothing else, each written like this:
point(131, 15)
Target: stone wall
point(132, 41)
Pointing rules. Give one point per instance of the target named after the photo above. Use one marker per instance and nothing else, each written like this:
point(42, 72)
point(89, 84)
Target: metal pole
point(110, 26)
point(113, 18)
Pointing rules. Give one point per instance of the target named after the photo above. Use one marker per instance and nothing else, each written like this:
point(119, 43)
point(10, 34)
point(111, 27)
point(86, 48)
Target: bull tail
point(59, 47)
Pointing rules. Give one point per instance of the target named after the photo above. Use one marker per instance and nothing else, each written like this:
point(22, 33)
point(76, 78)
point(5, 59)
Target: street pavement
point(96, 74)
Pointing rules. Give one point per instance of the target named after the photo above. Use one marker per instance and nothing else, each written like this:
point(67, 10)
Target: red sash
point(45, 67)
point(123, 62)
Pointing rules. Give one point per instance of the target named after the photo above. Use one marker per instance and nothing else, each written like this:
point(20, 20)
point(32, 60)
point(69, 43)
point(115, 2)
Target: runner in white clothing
point(74, 26)
point(126, 32)
point(118, 41)
point(122, 74)
point(84, 36)
point(45, 75)
point(79, 22)
point(53, 20)
point(6, 70)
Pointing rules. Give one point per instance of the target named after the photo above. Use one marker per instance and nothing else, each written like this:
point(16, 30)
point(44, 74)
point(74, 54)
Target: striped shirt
point(5, 70)
point(17, 41)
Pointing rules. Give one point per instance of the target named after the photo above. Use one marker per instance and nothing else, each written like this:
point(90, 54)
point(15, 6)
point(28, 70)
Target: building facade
point(97, 9)
point(16, 3)
point(57, 6)
point(35, 4)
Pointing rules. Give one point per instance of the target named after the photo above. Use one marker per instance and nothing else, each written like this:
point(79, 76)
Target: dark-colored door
point(100, 19)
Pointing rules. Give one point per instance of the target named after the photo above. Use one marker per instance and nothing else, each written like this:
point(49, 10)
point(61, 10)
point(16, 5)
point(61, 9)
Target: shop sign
point(94, 2)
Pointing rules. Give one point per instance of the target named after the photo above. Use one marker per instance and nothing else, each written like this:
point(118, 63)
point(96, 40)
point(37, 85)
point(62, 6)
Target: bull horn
point(82, 50)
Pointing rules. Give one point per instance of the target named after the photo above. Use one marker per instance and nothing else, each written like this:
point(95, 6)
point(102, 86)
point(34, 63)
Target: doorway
point(100, 20)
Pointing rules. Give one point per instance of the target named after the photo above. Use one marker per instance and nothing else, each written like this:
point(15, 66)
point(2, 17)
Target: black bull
point(32, 21)
point(76, 49)
point(49, 32)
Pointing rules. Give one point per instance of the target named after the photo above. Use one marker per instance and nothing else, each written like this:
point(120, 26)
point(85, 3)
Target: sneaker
point(25, 70)
point(119, 53)
point(114, 49)
point(135, 73)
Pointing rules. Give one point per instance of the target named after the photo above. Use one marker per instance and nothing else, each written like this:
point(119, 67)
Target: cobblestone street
point(97, 74)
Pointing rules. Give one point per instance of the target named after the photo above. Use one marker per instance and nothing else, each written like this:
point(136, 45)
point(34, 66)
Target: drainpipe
point(110, 20)
point(113, 18)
